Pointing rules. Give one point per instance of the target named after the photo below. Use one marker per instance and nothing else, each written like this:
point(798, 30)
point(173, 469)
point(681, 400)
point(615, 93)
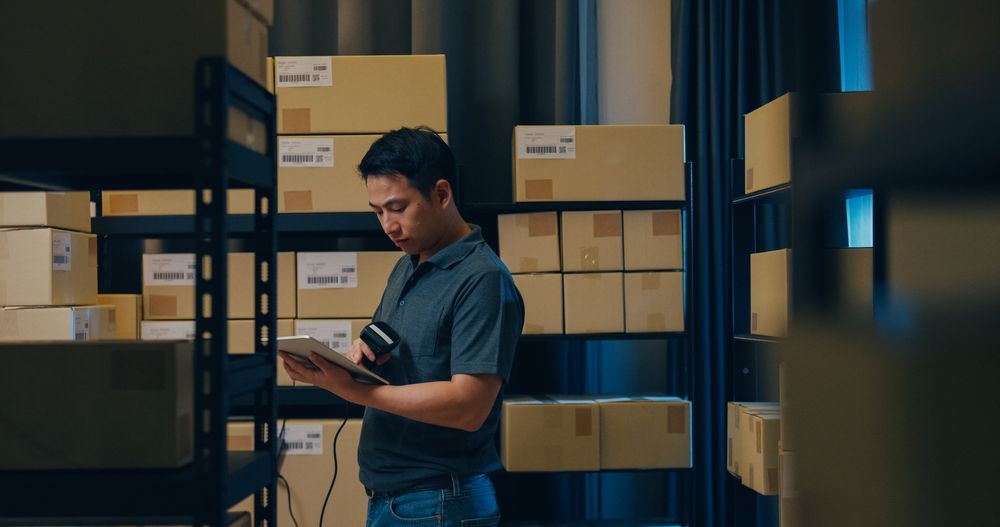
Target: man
point(427, 443)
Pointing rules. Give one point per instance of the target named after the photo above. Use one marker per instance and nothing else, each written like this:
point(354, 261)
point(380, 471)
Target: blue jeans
point(471, 503)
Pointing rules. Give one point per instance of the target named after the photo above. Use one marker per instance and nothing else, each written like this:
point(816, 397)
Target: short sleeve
point(487, 321)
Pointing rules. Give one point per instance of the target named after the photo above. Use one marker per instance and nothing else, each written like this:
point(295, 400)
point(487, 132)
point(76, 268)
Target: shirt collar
point(456, 252)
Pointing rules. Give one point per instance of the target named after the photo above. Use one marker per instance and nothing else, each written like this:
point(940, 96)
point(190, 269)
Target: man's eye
point(398, 209)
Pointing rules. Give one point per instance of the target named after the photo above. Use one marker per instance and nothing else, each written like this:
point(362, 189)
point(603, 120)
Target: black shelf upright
point(209, 163)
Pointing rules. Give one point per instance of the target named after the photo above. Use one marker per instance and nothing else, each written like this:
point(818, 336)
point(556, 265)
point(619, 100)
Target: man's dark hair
point(418, 154)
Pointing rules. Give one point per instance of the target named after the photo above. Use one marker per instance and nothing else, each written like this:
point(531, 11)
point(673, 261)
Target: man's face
point(408, 218)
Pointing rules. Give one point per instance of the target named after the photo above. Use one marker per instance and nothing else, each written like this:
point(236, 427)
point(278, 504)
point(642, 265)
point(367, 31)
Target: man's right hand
point(360, 350)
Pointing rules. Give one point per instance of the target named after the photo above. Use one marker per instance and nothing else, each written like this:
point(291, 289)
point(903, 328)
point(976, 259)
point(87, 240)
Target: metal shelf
point(779, 192)
point(249, 374)
point(757, 339)
point(300, 402)
point(238, 224)
point(546, 206)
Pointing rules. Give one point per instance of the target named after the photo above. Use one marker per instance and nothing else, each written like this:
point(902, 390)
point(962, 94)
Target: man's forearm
point(442, 403)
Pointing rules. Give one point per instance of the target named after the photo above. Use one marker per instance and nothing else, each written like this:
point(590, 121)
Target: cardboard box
point(61, 210)
point(167, 202)
point(733, 427)
point(142, 56)
point(758, 468)
point(654, 302)
point(645, 432)
point(770, 291)
point(143, 390)
point(308, 468)
point(788, 491)
point(592, 241)
point(241, 342)
point(550, 434)
point(128, 314)
point(529, 243)
point(47, 267)
point(342, 284)
point(167, 330)
point(168, 286)
point(360, 94)
point(543, 302)
point(320, 173)
point(594, 303)
point(785, 439)
point(240, 337)
point(599, 163)
point(57, 323)
point(653, 240)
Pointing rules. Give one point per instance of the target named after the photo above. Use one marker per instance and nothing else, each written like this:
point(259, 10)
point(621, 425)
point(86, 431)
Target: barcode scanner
point(381, 338)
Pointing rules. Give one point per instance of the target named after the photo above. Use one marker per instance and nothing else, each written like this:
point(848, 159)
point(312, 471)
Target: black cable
point(329, 491)
point(289, 493)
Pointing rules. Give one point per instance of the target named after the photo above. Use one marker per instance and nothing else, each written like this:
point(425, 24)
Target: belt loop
point(456, 485)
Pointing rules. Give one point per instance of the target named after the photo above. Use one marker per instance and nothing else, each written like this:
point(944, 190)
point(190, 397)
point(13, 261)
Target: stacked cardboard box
point(579, 433)
point(752, 445)
point(48, 272)
point(593, 248)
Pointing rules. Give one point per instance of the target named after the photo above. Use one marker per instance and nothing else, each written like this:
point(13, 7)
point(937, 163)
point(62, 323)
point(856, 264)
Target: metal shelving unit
point(201, 492)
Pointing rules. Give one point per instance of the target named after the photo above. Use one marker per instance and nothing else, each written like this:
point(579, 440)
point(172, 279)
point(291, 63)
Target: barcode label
point(168, 269)
point(327, 270)
point(167, 330)
point(62, 247)
point(334, 334)
point(305, 152)
point(546, 142)
point(303, 440)
point(81, 324)
point(303, 72)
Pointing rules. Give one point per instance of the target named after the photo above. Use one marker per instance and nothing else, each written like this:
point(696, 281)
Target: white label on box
point(335, 334)
point(167, 330)
point(81, 324)
point(303, 440)
point(305, 152)
point(168, 269)
point(546, 142)
point(303, 72)
point(328, 270)
point(62, 247)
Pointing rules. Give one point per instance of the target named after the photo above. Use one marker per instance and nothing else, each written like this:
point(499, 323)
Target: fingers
point(365, 349)
point(355, 353)
point(320, 363)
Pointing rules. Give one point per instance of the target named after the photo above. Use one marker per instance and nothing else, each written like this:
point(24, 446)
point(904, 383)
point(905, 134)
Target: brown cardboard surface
point(593, 303)
point(786, 441)
point(57, 323)
point(641, 432)
point(652, 240)
point(368, 97)
point(143, 55)
point(591, 241)
point(28, 275)
point(733, 425)
point(240, 438)
point(759, 459)
point(770, 288)
point(144, 389)
point(543, 302)
point(613, 163)
point(167, 202)
point(128, 314)
point(309, 477)
point(549, 436)
point(373, 270)
point(529, 243)
point(768, 144)
point(61, 210)
point(654, 302)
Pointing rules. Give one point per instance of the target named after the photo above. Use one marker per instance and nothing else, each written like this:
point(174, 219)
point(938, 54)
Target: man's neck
point(458, 230)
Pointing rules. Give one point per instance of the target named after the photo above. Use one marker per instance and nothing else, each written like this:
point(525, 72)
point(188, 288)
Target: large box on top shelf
point(543, 302)
point(342, 284)
point(360, 94)
point(599, 163)
point(529, 243)
point(645, 432)
point(128, 314)
point(592, 240)
point(143, 390)
point(594, 303)
point(550, 434)
point(57, 323)
point(167, 202)
point(136, 79)
point(653, 240)
point(61, 210)
point(770, 290)
point(47, 267)
point(654, 302)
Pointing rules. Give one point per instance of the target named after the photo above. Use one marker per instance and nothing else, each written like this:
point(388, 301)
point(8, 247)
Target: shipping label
point(305, 152)
point(546, 142)
point(303, 440)
point(168, 269)
point(303, 72)
point(62, 246)
point(335, 334)
point(335, 270)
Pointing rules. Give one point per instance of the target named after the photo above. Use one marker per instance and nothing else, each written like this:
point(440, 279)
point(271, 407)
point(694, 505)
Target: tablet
point(301, 345)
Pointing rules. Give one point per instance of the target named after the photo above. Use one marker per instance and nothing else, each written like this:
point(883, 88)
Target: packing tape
point(298, 200)
point(136, 371)
point(666, 223)
point(772, 481)
point(542, 224)
point(590, 259)
point(749, 182)
point(760, 446)
point(123, 204)
point(162, 305)
point(92, 251)
point(584, 422)
point(533, 328)
point(528, 264)
point(607, 225)
point(540, 189)
point(677, 419)
point(650, 281)
point(296, 121)
point(729, 451)
point(9, 324)
point(656, 322)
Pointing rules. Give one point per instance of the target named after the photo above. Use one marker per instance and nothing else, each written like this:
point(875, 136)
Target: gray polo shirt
point(458, 312)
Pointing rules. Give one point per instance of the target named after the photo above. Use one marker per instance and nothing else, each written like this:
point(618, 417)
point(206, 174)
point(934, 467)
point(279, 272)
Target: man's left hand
point(325, 374)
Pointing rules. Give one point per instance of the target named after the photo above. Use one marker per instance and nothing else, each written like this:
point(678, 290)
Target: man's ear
point(442, 190)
